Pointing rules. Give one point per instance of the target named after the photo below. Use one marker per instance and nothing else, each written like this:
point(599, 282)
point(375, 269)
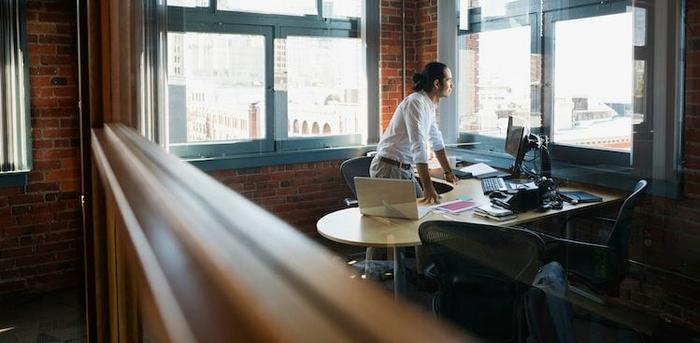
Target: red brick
point(16, 252)
point(11, 286)
point(35, 176)
point(41, 143)
point(4, 191)
point(25, 199)
point(53, 59)
point(62, 153)
point(34, 219)
point(42, 123)
point(61, 174)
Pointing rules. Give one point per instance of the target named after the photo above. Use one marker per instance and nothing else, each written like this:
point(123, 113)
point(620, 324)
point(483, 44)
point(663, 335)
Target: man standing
point(403, 143)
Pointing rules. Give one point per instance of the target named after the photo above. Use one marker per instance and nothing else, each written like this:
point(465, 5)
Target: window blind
point(14, 135)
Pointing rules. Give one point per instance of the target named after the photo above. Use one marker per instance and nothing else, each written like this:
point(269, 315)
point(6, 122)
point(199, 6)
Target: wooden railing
point(180, 257)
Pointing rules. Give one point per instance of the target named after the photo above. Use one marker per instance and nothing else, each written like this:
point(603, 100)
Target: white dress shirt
point(412, 125)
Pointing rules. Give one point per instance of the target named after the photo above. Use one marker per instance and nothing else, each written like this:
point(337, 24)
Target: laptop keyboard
point(493, 184)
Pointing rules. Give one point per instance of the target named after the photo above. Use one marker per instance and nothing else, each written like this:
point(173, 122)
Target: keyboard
point(492, 184)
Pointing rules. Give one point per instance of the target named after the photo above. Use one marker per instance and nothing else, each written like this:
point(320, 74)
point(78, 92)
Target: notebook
point(580, 197)
point(456, 206)
point(392, 198)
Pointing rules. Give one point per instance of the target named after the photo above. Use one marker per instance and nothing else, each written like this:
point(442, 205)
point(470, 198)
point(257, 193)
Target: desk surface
point(350, 227)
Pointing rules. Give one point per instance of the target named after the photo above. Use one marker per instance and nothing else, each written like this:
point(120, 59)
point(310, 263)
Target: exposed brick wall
point(299, 194)
point(40, 225)
point(425, 35)
point(421, 48)
point(391, 58)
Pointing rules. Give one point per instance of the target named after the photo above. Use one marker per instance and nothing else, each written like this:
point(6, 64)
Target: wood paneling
point(215, 266)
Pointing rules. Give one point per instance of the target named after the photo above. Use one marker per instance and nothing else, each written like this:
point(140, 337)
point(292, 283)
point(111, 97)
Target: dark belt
point(406, 166)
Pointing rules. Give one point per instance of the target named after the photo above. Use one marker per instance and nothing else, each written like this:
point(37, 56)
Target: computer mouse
point(497, 195)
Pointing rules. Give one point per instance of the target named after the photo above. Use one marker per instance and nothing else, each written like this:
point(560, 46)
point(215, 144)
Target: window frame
point(541, 24)
point(22, 142)
point(564, 152)
point(276, 26)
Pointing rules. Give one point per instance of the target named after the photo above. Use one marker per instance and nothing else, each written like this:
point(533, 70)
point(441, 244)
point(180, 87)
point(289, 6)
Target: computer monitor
point(516, 143)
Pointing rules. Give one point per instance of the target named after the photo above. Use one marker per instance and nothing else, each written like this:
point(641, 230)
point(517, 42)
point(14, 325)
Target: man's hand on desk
point(430, 196)
point(451, 178)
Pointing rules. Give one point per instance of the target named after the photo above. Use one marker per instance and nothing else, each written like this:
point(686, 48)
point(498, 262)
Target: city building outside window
point(266, 76)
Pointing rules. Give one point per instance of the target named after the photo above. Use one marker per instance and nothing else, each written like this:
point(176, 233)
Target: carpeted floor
point(52, 317)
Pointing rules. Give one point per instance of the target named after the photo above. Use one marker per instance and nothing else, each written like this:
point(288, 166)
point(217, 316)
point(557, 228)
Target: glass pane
point(189, 3)
point(494, 80)
point(326, 85)
point(594, 82)
point(640, 95)
point(285, 7)
point(342, 8)
point(500, 8)
point(464, 14)
point(640, 26)
point(216, 85)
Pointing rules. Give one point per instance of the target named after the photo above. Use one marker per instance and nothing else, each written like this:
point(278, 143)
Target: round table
point(349, 226)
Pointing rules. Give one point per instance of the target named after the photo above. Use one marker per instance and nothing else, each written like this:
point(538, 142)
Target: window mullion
point(547, 95)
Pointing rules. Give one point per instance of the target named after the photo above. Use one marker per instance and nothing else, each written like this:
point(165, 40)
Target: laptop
point(392, 198)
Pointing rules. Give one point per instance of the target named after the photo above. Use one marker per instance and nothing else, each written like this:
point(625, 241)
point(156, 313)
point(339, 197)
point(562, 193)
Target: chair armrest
point(350, 202)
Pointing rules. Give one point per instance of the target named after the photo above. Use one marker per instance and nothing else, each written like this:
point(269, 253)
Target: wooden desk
point(350, 227)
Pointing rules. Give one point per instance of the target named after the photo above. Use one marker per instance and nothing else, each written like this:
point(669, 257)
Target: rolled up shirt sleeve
point(436, 141)
point(417, 129)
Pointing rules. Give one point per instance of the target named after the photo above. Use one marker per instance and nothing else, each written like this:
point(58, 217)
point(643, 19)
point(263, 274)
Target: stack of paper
point(483, 170)
point(494, 212)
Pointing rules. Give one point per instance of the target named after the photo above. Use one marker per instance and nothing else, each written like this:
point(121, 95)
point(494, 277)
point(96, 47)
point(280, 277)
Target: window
point(577, 73)
point(325, 91)
point(296, 7)
point(264, 77)
point(189, 3)
point(14, 102)
point(220, 77)
point(593, 82)
point(494, 80)
point(342, 8)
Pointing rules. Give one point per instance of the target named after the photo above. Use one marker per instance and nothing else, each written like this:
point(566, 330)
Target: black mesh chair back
point(483, 272)
point(618, 240)
point(358, 166)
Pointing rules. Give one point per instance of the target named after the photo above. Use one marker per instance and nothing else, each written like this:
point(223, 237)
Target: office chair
point(358, 166)
point(373, 268)
point(600, 266)
point(483, 271)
